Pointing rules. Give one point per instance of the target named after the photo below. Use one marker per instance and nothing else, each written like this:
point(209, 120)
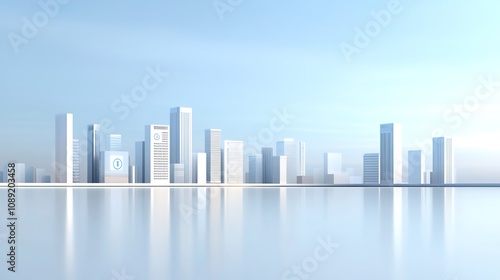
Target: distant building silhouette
point(64, 148)
point(181, 140)
point(442, 161)
point(371, 169)
point(416, 167)
point(391, 154)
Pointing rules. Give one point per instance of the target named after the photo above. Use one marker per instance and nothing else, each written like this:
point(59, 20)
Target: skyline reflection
point(249, 233)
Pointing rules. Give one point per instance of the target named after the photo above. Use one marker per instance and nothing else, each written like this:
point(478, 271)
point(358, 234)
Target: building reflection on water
point(243, 233)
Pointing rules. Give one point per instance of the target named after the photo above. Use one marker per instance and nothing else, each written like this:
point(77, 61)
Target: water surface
point(254, 233)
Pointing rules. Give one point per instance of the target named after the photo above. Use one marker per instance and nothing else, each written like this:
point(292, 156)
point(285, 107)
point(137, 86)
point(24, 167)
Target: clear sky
point(236, 65)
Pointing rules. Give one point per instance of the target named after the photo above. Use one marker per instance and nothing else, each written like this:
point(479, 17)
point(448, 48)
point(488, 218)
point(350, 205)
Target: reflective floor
point(254, 233)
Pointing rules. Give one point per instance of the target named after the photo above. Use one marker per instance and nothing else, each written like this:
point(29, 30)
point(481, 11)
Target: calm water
point(253, 233)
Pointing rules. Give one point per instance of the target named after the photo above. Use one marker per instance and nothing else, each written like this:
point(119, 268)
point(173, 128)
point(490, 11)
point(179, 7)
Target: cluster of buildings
point(386, 167)
point(165, 155)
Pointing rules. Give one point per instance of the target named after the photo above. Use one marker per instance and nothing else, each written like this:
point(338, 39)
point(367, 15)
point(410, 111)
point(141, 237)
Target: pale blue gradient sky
point(263, 56)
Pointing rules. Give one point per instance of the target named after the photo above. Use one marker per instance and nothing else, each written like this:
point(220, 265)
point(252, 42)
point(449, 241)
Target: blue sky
point(261, 57)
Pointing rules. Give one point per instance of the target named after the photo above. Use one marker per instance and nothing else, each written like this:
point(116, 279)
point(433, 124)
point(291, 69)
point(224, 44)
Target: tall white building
point(371, 168)
point(214, 158)
point(267, 165)
point(280, 170)
point(416, 167)
point(76, 161)
point(181, 140)
point(93, 152)
point(140, 147)
point(157, 154)
point(442, 161)
point(233, 162)
point(302, 159)
point(333, 169)
point(333, 163)
point(288, 148)
point(255, 169)
point(113, 142)
point(64, 149)
point(114, 167)
point(391, 154)
point(200, 168)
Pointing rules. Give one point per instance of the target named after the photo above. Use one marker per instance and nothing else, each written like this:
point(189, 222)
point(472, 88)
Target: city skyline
point(237, 166)
point(233, 139)
point(237, 74)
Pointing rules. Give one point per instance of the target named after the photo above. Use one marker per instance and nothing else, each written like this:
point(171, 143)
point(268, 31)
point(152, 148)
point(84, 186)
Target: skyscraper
point(93, 152)
point(255, 169)
point(267, 165)
point(64, 148)
point(157, 154)
point(442, 161)
point(233, 162)
point(391, 154)
point(139, 161)
point(114, 167)
point(213, 151)
point(333, 173)
point(76, 161)
point(416, 167)
point(30, 174)
point(302, 159)
point(113, 142)
point(280, 170)
point(333, 163)
point(288, 148)
point(200, 168)
point(181, 140)
point(371, 168)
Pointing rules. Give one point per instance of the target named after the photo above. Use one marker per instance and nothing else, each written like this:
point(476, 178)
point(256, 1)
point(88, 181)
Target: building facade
point(280, 170)
point(371, 169)
point(288, 148)
point(416, 167)
point(255, 169)
point(93, 152)
point(391, 154)
point(442, 161)
point(200, 168)
point(181, 140)
point(157, 154)
point(76, 161)
point(302, 159)
point(214, 158)
point(267, 165)
point(233, 162)
point(64, 149)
